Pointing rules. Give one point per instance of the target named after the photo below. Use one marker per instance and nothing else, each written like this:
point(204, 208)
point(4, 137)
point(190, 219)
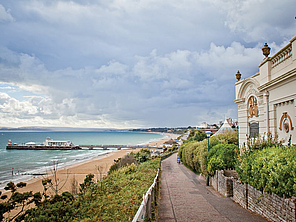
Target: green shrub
point(220, 157)
point(272, 169)
point(194, 154)
point(171, 149)
point(142, 156)
point(196, 135)
point(261, 142)
point(133, 158)
point(122, 162)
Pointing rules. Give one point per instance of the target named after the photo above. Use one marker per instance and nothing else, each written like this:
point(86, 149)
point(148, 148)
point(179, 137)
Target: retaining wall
point(271, 206)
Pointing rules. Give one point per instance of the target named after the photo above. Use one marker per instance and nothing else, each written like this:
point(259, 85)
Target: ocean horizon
point(20, 165)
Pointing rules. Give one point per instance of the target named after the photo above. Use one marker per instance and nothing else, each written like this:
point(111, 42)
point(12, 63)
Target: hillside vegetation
point(117, 197)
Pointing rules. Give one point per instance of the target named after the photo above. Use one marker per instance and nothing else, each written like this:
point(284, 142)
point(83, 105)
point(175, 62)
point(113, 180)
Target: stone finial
point(266, 50)
point(238, 75)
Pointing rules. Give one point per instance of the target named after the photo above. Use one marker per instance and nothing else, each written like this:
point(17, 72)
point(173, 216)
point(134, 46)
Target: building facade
point(267, 100)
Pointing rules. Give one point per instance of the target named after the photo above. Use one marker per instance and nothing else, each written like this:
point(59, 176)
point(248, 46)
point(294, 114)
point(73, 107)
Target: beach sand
point(70, 177)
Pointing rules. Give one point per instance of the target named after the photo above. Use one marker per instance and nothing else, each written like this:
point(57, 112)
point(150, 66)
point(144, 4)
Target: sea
point(22, 165)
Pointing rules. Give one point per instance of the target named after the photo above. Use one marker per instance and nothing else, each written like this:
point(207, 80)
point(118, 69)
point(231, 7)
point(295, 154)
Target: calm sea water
point(23, 162)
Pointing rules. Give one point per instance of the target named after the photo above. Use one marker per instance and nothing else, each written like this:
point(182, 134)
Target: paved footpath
point(185, 197)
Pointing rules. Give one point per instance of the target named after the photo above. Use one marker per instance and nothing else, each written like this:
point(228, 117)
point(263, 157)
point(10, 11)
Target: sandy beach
point(70, 177)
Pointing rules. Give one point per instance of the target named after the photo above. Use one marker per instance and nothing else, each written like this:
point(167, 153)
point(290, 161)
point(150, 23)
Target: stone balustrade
point(282, 55)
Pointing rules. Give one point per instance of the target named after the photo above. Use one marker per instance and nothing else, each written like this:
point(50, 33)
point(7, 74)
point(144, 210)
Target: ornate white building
point(267, 100)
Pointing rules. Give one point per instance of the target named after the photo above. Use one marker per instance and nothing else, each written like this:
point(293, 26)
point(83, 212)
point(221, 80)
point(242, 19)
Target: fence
point(150, 198)
point(149, 201)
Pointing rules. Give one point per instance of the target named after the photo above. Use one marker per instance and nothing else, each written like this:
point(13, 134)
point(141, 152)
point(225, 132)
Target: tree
point(17, 201)
point(55, 184)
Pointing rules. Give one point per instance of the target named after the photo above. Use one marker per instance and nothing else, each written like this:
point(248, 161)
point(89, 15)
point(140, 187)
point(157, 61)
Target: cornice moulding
point(278, 80)
point(241, 100)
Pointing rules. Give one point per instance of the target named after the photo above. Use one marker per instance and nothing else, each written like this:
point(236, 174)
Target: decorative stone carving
point(238, 75)
point(253, 107)
point(251, 91)
point(286, 126)
point(286, 122)
point(266, 50)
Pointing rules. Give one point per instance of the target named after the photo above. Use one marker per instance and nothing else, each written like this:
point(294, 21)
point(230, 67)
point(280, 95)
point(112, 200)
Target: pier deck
point(103, 147)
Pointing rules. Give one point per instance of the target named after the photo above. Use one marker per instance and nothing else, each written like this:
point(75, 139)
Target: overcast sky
point(132, 63)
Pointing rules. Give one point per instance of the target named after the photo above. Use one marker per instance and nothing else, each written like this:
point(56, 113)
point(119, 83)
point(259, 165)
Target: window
point(254, 129)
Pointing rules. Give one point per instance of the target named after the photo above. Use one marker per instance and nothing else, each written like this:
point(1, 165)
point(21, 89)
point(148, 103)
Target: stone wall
point(240, 193)
point(270, 206)
point(222, 184)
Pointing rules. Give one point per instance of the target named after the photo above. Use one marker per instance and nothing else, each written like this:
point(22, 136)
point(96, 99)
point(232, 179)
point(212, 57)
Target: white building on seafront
point(203, 125)
point(267, 100)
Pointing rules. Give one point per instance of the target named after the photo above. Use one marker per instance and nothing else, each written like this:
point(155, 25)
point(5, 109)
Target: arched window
point(253, 107)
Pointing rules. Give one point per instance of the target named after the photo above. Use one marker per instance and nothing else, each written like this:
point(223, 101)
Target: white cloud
point(132, 63)
point(260, 20)
point(118, 94)
point(157, 67)
point(13, 107)
point(6, 87)
point(5, 15)
point(220, 62)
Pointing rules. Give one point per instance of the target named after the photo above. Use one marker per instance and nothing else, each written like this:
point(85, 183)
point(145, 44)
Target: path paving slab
point(184, 196)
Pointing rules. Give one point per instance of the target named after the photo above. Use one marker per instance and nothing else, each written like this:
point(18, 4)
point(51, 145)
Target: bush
point(171, 149)
point(142, 156)
point(196, 135)
point(259, 143)
point(122, 162)
point(194, 154)
point(221, 156)
point(272, 169)
point(133, 158)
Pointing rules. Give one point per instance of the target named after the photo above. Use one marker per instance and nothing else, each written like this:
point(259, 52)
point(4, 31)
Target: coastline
point(71, 176)
point(157, 143)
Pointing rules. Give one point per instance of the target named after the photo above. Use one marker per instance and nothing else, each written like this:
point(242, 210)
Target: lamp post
point(208, 136)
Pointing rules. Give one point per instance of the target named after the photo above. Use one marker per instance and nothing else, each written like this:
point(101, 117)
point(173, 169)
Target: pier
point(77, 147)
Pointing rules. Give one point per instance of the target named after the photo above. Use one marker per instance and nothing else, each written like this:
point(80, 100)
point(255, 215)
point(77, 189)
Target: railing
point(150, 198)
point(149, 202)
point(282, 55)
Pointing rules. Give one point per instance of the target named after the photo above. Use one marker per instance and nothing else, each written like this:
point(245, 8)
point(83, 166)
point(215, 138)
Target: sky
point(132, 63)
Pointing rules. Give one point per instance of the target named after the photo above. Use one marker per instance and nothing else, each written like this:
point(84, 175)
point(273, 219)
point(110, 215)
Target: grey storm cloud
point(131, 63)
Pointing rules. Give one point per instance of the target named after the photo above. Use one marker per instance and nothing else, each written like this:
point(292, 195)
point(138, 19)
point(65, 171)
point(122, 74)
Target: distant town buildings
point(233, 124)
point(204, 126)
point(267, 100)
